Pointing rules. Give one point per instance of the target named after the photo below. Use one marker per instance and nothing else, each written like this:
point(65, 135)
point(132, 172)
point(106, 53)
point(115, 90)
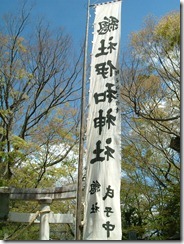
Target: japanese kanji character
point(94, 208)
point(97, 151)
point(112, 45)
point(111, 94)
point(108, 210)
point(109, 151)
point(109, 193)
point(110, 118)
point(108, 227)
point(95, 186)
point(99, 121)
point(100, 97)
point(109, 24)
point(112, 67)
point(102, 48)
point(103, 69)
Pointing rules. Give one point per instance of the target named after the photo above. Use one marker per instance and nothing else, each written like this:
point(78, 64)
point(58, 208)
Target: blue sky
point(71, 14)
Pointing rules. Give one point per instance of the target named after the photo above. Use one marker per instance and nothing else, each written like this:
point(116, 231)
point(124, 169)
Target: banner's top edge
point(97, 4)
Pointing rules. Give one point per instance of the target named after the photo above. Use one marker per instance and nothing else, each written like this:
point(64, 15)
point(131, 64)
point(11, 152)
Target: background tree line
point(151, 130)
point(40, 81)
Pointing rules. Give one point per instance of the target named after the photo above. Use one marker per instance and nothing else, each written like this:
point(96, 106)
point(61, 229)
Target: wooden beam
point(22, 217)
point(32, 194)
point(61, 218)
point(53, 218)
point(37, 196)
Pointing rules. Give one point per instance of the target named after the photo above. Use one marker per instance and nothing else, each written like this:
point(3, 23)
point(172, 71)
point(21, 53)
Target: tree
point(147, 189)
point(151, 137)
point(39, 84)
point(38, 81)
point(151, 80)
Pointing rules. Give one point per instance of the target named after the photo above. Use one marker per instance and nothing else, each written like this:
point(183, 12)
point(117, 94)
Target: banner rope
point(12, 237)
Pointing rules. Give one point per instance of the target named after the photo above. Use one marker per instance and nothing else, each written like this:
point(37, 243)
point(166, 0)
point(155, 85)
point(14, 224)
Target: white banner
point(102, 214)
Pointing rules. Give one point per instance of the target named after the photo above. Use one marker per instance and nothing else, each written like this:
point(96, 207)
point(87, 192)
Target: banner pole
point(82, 133)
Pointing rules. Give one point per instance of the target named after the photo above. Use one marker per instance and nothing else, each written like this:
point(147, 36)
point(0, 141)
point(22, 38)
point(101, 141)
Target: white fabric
point(102, 215)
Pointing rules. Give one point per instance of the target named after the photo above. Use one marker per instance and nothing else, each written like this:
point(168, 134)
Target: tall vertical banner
point(102, 214)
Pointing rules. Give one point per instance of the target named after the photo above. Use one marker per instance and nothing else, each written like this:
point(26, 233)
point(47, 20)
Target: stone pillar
point(44, 217)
